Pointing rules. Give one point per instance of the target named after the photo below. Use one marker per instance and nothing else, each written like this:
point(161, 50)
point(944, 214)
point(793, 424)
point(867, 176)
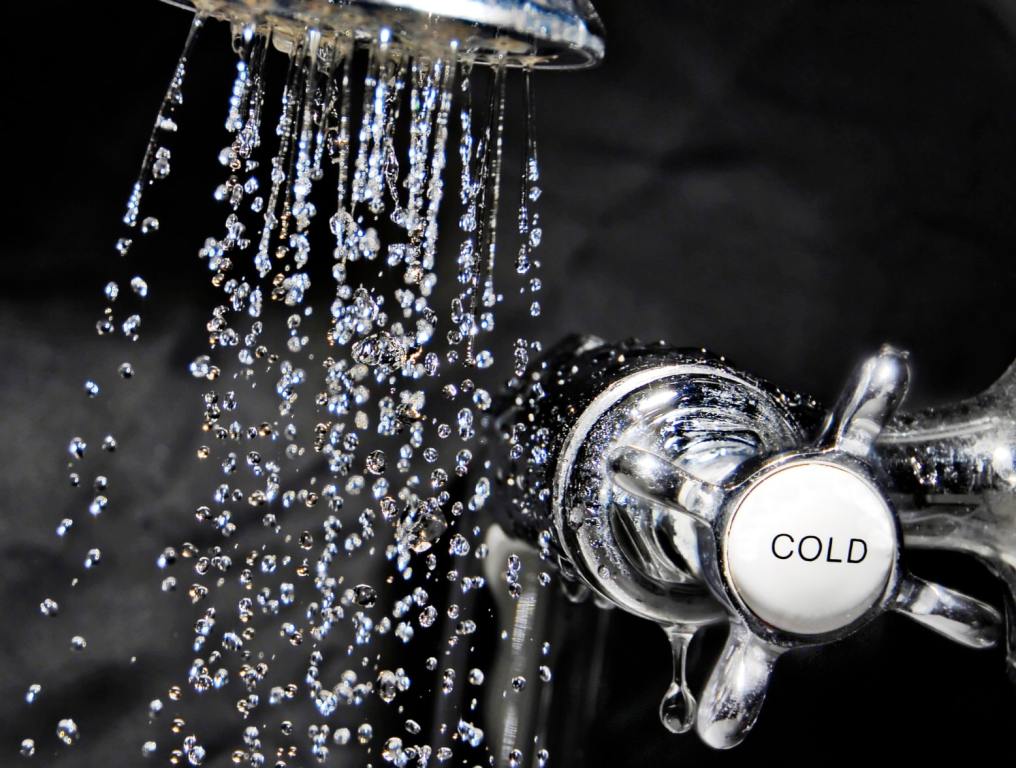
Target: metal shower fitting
point(539, 34)
point(682, 490)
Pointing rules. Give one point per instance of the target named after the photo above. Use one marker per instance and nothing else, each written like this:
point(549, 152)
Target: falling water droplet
point(678, 707)
point(77, 447)
point(200, 367)
point(381, 370)
point(67, 731)
point(364, 595)
point(376, 463)
point(92, 558)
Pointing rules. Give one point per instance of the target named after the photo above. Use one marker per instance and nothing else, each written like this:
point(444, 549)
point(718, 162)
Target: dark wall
point(788, 183)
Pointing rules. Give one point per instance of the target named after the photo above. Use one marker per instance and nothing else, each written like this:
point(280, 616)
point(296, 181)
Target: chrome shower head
point(545, 34)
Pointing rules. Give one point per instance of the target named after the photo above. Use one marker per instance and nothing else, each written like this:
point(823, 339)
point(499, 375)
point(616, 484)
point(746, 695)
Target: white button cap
point(810, 548)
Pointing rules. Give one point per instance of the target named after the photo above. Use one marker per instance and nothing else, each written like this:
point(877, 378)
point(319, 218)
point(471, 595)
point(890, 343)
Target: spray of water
point(341, 415)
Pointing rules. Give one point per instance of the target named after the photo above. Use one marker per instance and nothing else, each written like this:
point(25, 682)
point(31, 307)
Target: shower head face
point(539, 34)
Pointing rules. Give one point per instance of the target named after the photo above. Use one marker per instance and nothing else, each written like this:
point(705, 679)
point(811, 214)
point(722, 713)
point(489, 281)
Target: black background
point(788, 183)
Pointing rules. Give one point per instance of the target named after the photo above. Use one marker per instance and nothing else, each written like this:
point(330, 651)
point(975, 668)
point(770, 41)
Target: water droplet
point(678, 707)
point(364, 595)
point(421, 533)
point(458, 546)
point(67, 731)
point(93, 558)
point(376, 462)
point(77, 447)
point(130, 327)
point(200, 367)
point(387, 686)
point(470, 734)
point(161, 166)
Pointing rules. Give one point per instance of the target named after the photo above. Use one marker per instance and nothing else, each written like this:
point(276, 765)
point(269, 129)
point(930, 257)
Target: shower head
point(545, 34)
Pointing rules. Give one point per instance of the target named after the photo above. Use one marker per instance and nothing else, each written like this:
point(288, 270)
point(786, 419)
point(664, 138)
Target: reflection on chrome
point(666, 478)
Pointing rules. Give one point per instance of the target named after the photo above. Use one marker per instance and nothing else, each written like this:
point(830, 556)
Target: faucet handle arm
point(959, 617)
point(736, 689)
point(867, 403)
point(652, 477)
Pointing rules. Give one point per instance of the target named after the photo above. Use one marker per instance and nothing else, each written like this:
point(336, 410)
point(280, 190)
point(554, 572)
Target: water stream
point(341, 406)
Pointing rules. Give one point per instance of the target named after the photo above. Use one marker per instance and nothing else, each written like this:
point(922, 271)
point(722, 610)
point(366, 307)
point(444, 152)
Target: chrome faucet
point(675, 487)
